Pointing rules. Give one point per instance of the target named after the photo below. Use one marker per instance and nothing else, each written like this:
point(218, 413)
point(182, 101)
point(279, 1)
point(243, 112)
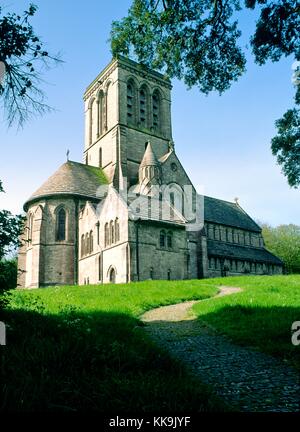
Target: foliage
point(10, 228)
point(258, 317)
point(197, 41)
point(284, 241)
point(8, 274)
point(286, 145)
point(23, 56)
point(191, 40)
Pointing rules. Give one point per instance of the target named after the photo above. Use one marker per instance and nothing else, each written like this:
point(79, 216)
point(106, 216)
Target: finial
point(68, 152)
point(236, 200)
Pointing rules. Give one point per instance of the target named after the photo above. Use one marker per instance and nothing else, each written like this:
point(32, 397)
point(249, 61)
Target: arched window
point(61, 225)
point(100, 157)
point(172, 202)
point(170, 239)
point(86, 244)
point(117, 230)
point(106, 120)
point(106, 235)
point(101, 109)
point(29, 231)
point(82, 246)
point(112, 232)
point(112, 275)
point(130, 103)
point(162, 239)
point(143, 107)
point(91, 242)
point(98, 232)
point(155, 110)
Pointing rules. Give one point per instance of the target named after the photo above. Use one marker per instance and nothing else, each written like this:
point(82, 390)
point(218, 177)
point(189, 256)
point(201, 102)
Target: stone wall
point(149, 260)
point(96, 264)
point(49, 261)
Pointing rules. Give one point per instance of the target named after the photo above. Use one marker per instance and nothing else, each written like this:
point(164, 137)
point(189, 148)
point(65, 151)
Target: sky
point(222, 141)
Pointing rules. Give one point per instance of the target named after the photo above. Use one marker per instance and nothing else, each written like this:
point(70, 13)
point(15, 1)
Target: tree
point(8, 275)
point(22, 59)
point(286, 145)
point(197, 41)
point(284, 241)
point(10, 229)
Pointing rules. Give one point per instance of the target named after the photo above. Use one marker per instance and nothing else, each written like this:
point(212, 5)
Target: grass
point(83, 349)
point(260, 316)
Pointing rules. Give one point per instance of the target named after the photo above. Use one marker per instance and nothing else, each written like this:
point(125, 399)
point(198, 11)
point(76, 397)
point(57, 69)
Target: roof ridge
point(220, 199)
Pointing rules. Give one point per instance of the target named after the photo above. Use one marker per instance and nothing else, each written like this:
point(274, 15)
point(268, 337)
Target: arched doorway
point(112, 275)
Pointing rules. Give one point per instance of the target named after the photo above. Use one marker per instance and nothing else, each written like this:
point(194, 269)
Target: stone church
point(129, 212)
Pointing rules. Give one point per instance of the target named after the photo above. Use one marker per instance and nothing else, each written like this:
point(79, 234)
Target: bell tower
point(126, 106)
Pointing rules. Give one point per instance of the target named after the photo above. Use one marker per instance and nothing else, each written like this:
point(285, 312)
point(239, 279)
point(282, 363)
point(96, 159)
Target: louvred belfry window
point(143, 107)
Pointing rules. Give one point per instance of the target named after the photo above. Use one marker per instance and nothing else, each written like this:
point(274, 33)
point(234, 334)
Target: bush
point(284, 241)
point(8, 274)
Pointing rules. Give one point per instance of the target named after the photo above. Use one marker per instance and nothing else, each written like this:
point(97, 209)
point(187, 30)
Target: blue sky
point(222, 141)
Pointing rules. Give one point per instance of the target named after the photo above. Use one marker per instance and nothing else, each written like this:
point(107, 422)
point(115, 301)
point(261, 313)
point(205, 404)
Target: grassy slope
point(261, 316)
point(82, 348)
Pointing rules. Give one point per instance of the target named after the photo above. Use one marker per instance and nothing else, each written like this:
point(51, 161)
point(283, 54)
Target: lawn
point(83, 349)
point(260, 316)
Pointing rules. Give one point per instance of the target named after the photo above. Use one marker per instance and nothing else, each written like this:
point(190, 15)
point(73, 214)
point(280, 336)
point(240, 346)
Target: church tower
point(126, 106)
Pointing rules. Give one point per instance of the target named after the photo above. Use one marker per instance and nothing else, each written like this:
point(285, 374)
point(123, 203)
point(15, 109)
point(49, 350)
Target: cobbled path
point(244, 379)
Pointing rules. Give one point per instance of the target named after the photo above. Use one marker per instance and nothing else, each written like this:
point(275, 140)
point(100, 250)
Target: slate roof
point(72, 178)
point(228, 213)
point(161, 211)
point(227, 250)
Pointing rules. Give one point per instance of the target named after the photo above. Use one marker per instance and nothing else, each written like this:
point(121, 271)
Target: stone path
point(246, 380)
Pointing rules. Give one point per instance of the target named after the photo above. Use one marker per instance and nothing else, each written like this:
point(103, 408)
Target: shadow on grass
point(94, 361)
